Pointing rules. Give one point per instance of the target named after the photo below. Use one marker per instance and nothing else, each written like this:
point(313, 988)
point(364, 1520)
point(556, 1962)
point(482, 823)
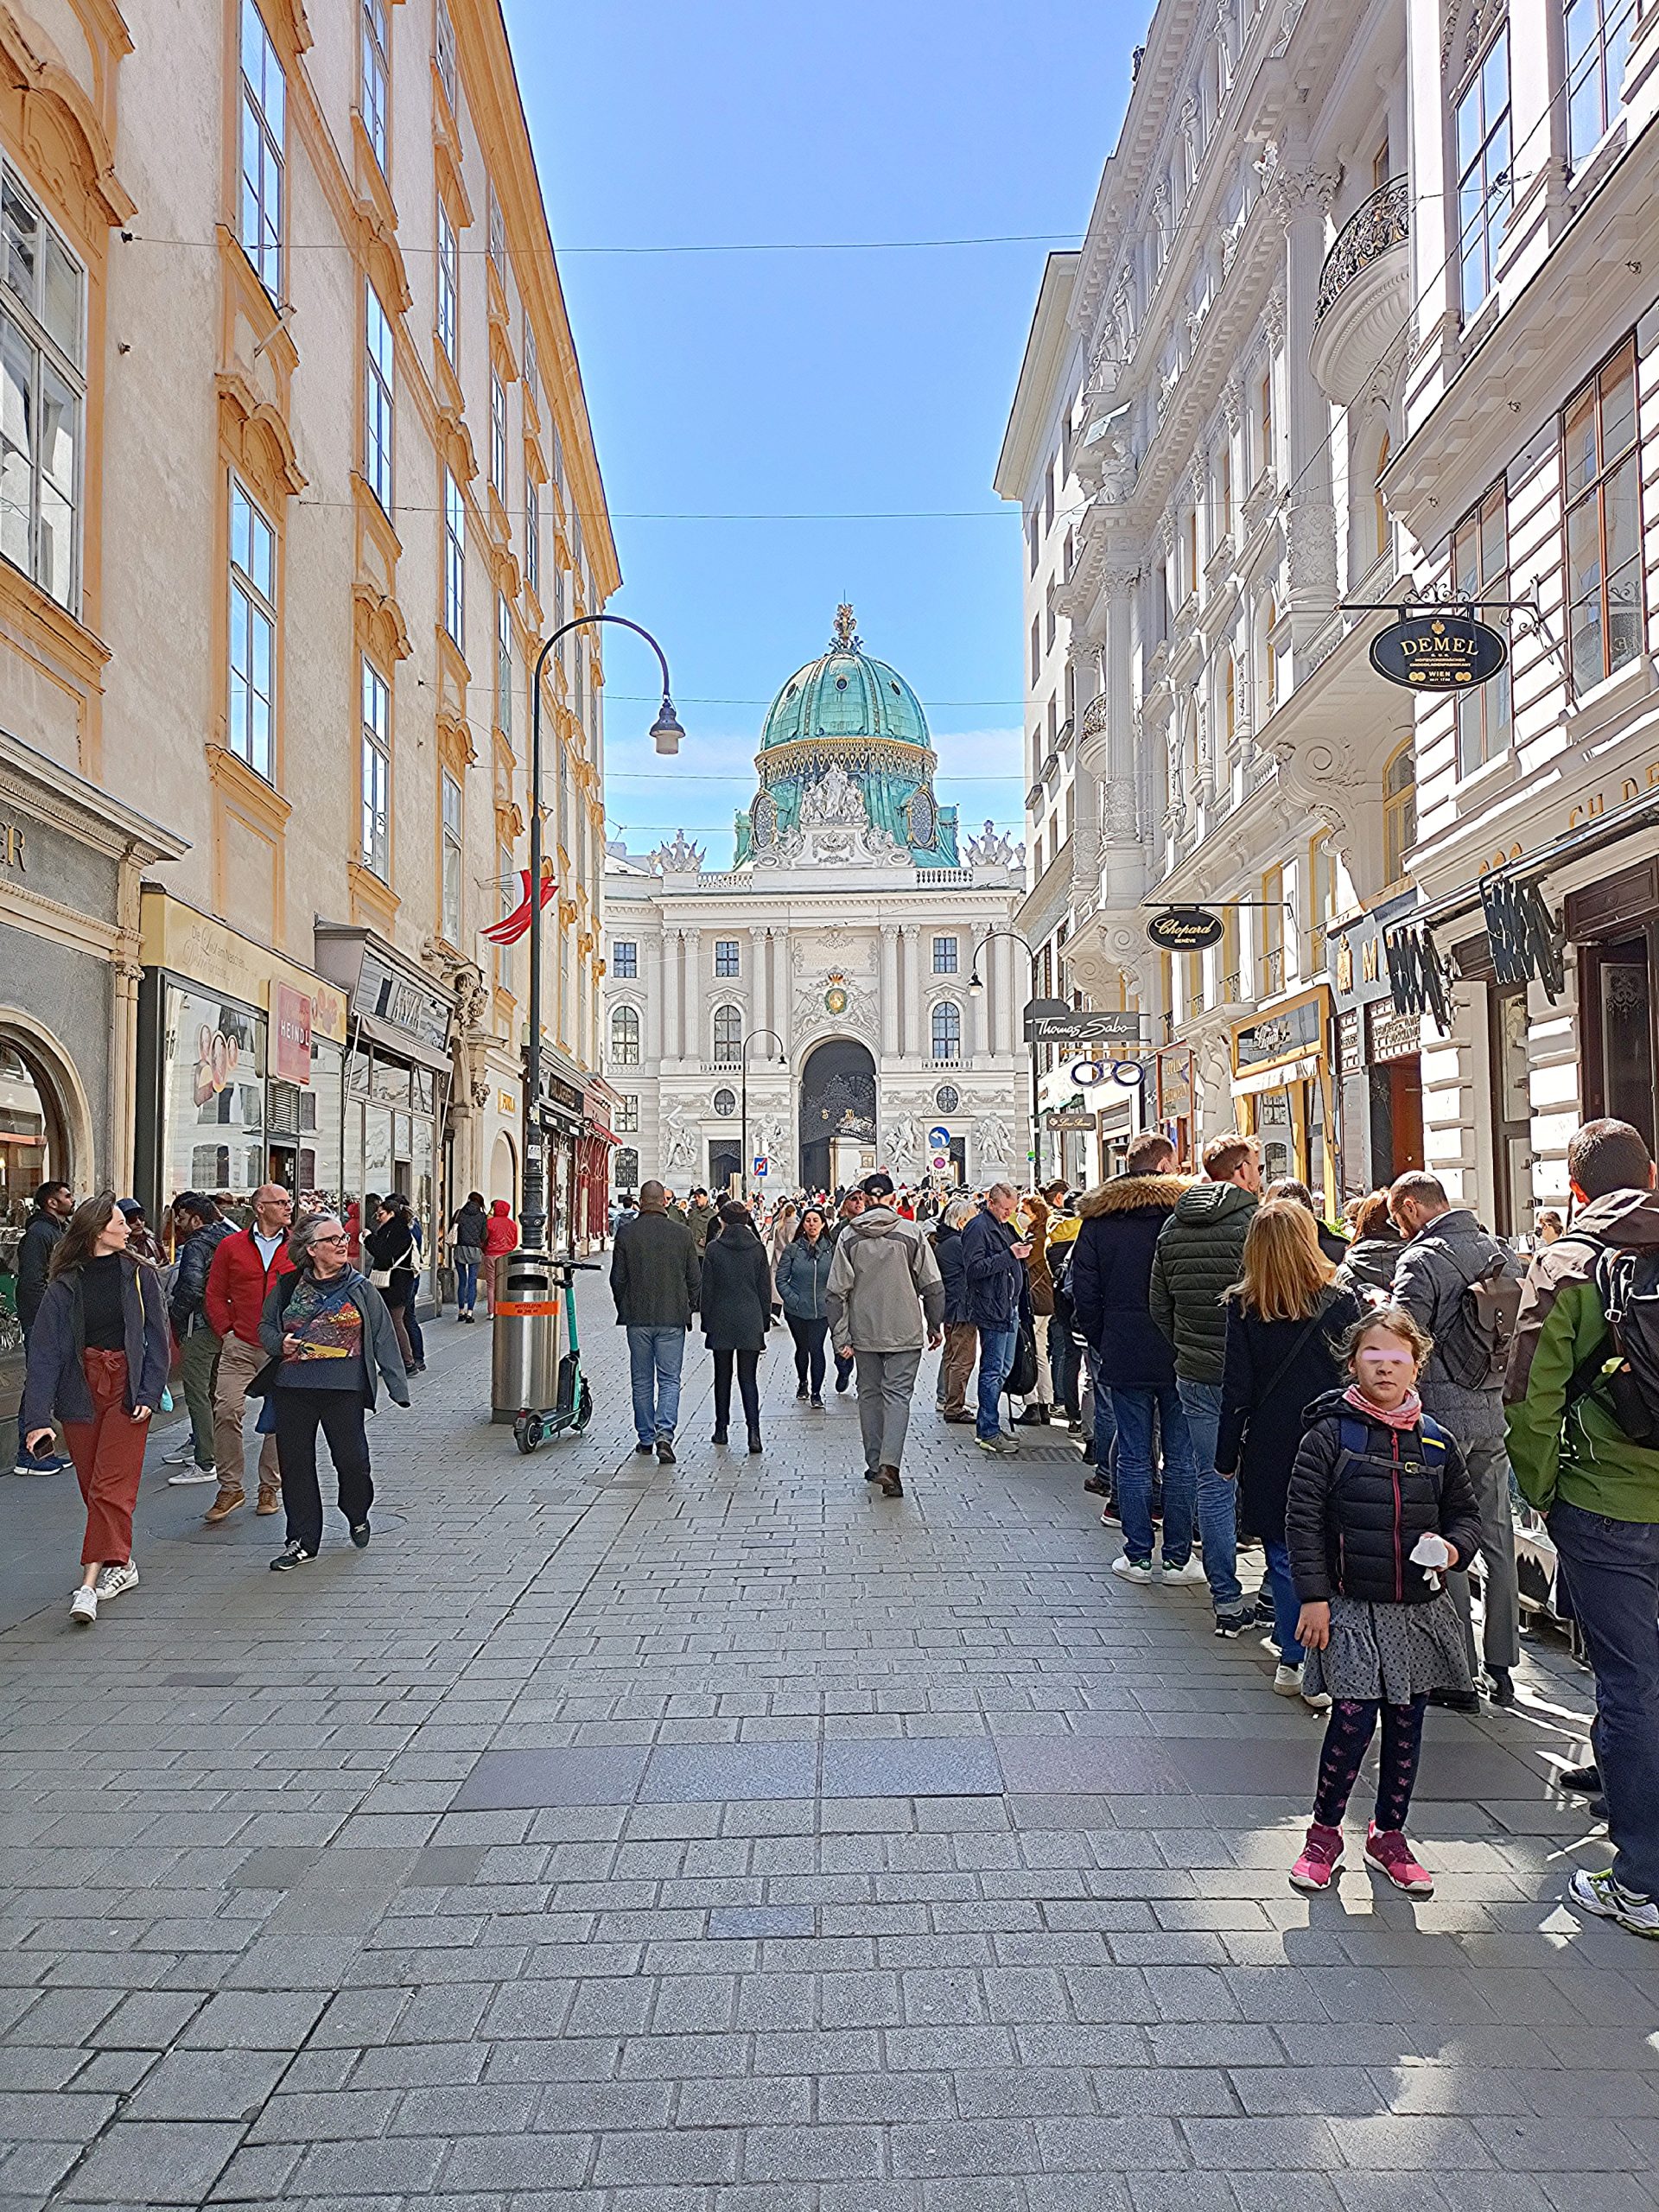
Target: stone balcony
point(1364, 294)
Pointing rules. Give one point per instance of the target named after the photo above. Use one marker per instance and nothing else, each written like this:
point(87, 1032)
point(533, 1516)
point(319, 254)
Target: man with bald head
point(242, 1269)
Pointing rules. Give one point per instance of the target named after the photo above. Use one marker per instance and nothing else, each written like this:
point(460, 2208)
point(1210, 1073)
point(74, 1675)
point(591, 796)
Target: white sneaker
point(1317, 1700)
point(115, 1580)
point(181, 1455)
point(1190, 1570)
point(1609, 1900)
point(1287, 1682)
point(83, 1608)
point(1132, 1570)
point(191, 1473)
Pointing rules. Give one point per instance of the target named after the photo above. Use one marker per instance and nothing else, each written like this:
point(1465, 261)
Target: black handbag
point(1021, 1378)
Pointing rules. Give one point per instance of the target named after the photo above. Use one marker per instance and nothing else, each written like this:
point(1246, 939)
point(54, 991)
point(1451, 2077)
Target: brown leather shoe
point(271, 1501)
point(891, 1485)
point(231, 1495)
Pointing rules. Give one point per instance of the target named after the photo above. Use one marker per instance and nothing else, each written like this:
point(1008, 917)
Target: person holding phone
point(994, 1256)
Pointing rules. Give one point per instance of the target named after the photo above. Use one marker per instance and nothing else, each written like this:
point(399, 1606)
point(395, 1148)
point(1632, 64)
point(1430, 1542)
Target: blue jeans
point(655, 1358)
point(1287, 1607)
point(1612, 1573)
point(1133, 1411)
point(996, 1359)
point(1218, 1504)
point(465, 1285)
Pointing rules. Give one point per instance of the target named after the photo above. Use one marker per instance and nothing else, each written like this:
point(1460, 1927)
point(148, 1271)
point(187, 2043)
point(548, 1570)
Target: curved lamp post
point(743, 1055)
point(976, 984)
point(665, 735)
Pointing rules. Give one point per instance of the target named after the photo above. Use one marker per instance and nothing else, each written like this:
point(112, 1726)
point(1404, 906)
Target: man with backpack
point(1582, 1399)
point(1463, 1287)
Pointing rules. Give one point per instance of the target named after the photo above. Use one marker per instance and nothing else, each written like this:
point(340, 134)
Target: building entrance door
point(837, 1111)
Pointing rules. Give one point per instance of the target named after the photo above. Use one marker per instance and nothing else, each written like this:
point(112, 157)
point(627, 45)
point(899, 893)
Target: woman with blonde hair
point(1284, 1319)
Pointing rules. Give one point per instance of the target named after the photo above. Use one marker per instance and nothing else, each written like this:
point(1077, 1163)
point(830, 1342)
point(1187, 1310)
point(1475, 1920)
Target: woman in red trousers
point(98, 1358)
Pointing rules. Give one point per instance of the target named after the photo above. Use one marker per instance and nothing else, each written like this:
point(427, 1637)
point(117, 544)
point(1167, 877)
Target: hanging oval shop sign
point(1185, 929)
point(1439, 651)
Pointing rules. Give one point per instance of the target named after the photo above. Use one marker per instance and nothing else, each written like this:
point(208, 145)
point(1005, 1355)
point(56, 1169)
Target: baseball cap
point(877, 1185)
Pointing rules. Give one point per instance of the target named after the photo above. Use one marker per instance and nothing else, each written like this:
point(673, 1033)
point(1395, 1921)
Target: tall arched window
point(946, 1031)
point(1399, 812)
point(625, 1037)
point(728, 1035)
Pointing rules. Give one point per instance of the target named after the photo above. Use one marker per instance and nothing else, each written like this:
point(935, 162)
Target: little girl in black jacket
point(1374, 1478)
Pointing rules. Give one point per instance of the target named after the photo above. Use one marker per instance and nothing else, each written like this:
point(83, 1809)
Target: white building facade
point(1342, 262)
point(812, 1013)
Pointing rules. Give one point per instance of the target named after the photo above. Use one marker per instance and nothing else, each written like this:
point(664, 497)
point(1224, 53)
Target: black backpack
point(1474, 1348)
point(1627, 1284)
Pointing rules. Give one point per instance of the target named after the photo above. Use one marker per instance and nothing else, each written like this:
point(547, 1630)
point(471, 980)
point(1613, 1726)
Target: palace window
point(42, 393)
point(1484, 182)
point(1602, 464)
point(1598, 51)
point(378, 398)
point(945, 1031)
point(498, 435)
point(1480, 570)
point(377, 772)
point(449, 805)
point(944, 955)
point(627, 1113)
point(728, 1035)
point(454, 563)
point(264, 99)
point(625, 1037)
point(1399, 812)
point(624, 959)
point(725, 960)
point(375, 77)
point(627, 1170)
point(253, 632)
point(448, 284)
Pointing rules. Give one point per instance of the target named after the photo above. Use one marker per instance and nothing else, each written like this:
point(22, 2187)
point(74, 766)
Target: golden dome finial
point(846, 628)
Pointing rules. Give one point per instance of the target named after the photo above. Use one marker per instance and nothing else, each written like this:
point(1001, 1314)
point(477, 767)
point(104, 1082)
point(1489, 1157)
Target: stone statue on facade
point(994, 849)
point(834, 802)
point(679, 1139)
point(679, 858)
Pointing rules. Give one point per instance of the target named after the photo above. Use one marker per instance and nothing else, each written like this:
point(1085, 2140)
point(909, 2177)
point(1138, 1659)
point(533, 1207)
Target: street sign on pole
point(760, 1168)
point(939, 1139)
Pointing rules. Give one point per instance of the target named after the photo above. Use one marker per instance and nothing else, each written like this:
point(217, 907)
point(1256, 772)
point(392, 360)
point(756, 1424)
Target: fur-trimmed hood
point(1132, 1194)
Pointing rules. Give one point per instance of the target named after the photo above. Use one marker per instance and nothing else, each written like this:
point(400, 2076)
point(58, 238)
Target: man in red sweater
point(242, 1272)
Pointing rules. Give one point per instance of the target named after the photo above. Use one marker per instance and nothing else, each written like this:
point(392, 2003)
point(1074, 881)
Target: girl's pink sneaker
point(1321, 1859)
point(1388, 1851)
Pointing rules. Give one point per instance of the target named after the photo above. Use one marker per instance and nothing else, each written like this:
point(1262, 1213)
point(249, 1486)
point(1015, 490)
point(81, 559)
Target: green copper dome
point(845, 693)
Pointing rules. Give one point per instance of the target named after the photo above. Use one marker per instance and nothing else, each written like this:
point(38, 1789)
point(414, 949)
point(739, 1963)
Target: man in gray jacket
point(1448, 1251)
point(885, 1296)
point(656, 1281)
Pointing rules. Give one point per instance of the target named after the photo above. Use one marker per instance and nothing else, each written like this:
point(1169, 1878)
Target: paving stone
point(160, 2162)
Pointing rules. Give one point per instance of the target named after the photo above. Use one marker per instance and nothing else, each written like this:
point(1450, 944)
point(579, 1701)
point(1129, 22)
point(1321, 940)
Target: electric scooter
point(574, 1409)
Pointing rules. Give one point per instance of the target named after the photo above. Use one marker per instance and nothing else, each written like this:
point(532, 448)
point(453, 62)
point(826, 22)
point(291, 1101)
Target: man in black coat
point(656, 1281)
point(54, 1204)
point(1110, 1272)
point(996, 1297)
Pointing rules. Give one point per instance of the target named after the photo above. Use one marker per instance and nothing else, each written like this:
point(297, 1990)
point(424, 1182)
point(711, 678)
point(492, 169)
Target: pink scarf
point(1405, 1415)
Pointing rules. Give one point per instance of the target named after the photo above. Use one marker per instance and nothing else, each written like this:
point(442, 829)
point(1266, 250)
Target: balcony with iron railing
point(1365, 293)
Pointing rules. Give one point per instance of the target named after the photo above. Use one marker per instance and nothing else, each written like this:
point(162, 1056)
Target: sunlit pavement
point(722, 1836)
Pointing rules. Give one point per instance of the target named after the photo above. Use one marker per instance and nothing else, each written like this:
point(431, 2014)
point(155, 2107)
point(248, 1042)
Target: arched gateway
point(837, 1114)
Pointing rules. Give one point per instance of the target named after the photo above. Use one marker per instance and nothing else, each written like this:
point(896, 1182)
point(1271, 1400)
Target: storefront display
point(1282, 1093)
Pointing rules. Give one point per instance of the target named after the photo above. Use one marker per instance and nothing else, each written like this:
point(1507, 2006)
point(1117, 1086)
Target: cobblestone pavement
point(720, 1838)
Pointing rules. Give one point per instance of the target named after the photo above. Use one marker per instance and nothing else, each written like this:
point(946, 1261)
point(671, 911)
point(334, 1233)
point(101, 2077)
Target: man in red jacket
point(242, 1271)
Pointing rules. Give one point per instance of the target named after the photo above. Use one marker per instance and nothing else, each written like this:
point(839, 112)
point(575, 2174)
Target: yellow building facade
point(296, 474)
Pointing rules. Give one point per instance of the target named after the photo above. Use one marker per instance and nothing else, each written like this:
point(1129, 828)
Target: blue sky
point(811, 384)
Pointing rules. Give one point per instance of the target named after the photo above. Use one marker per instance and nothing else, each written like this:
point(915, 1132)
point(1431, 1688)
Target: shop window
point(627, 1113)
point(728, 1035)
point(1601, 464)
point(377, 772)
point(454, 563)
point(448, 284)
point(42, 393)
point(265, 101)
point(1480, 570)
point(726, 962)
point(625, 1037)
point(253, 632)
point(451, 834)
point(378, 398)
point(444, 54)
point(376, 79)
point(1399, 812)
point(213, 1133)
point(497, 435)
point(944, 955)
point(624, 959)
point(945, 1031)
point(1485, 184)
point(1597, 53)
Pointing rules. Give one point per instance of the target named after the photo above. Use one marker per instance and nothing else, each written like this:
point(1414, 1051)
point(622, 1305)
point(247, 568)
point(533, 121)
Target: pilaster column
point(977, 1026)
point(760, 1017)
point(913, 1040)
point(889, 973)
point(656, 986)
point(1005, 1009)
point(691, 1021)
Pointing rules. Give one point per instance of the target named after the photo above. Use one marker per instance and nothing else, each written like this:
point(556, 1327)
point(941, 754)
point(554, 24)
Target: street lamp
point(743, 1110)
point(975, 984)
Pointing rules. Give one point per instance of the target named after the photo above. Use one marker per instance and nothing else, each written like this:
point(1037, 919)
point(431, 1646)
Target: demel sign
point(1439, 650)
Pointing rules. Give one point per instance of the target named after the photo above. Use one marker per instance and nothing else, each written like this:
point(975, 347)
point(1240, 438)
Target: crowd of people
point(1363, 1404)
point(255, 1312)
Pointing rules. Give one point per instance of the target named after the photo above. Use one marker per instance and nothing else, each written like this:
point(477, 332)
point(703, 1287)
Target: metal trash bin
point(525, 1355)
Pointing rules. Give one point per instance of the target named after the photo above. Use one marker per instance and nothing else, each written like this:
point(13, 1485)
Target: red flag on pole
point(512, 926)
